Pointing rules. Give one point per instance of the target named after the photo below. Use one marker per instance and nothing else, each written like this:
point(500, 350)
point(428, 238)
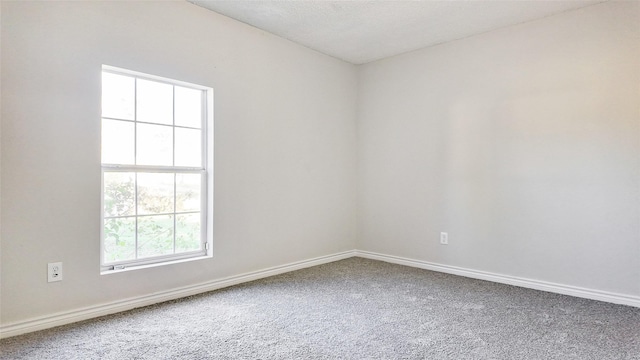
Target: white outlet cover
point(444, 238)
point(54, 272)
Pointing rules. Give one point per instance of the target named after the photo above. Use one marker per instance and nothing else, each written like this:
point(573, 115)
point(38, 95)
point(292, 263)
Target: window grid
point(174, 170)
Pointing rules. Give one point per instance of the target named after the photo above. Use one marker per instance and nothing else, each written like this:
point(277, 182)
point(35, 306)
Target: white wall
point(284, 145)
point(522, 143)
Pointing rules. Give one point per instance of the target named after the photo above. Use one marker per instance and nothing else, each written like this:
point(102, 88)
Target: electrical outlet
point(54, 272)
point(444, 238)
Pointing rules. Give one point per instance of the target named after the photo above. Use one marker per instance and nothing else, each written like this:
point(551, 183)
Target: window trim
point(206, 171)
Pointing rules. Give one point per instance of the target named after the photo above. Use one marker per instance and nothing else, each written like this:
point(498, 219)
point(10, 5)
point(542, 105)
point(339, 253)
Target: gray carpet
point(351, 309)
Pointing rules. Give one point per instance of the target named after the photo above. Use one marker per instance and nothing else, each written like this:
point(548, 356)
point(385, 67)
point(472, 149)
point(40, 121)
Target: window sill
point(152, 265)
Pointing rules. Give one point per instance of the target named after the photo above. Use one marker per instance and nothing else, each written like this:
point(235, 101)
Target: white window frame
point(206, 208)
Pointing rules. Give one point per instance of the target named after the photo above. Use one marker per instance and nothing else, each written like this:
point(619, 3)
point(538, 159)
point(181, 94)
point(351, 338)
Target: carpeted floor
point(351, 309)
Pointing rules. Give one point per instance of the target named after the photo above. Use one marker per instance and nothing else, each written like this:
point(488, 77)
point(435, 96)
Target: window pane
point(155, 144)
point(155, 102)
point(117, 142)
point(187, 232)
point(119, 194)
point(119, 239)
point(188, 107)
point(188, 150)
point(155, 235)
point(117, 96)
point(188, 189)
point(155, 193)
point(153, 166)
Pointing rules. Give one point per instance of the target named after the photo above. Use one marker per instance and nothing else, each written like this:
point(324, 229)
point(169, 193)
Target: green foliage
point(119, 194)
point(155, 232)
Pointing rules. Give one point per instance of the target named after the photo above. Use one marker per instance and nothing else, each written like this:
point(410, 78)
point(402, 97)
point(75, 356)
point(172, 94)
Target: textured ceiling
point(364, 31)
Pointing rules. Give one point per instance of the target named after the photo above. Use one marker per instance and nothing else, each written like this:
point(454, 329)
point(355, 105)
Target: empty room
point(320, 179)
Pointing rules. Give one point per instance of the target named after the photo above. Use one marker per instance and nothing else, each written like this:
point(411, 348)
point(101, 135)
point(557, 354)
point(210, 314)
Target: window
point(157, 186)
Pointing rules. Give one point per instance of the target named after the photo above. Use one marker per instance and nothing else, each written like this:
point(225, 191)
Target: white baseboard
point(67, 317)
point(505, 279)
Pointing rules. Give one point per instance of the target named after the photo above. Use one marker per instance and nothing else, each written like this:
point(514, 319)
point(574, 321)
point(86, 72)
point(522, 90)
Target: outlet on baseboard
point(444, 238)
point(54, 272)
